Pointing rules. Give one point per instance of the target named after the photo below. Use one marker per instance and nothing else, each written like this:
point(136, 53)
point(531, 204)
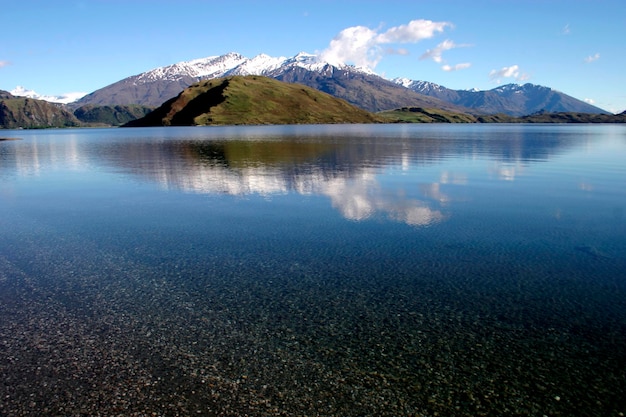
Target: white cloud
point(361, 46)
point(456, 67)
point(4, 64)
point(566, 30)
point(413, 32)
point(505, 72)
point(592, 58)
point(589, 101)
point(508, 72)
point(435, 53)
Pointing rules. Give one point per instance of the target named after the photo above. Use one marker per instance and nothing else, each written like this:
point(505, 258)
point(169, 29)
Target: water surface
point(314, 270)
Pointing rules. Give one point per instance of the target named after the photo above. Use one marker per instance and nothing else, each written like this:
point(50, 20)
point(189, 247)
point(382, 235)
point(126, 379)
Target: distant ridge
point(510, 99)
point(246, 100)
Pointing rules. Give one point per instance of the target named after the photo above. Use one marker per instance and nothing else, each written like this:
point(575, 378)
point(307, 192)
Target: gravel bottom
point(108, 335)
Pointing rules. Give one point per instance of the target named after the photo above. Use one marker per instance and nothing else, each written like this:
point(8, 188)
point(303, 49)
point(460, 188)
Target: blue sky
point(577, 47)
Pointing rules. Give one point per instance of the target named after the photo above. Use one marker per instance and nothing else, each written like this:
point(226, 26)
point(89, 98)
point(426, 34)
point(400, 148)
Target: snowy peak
point(306, 57)
point(404, 82)
point(233, 64)
point(258, 65)
point(216, 66)
point(423, 87)
point(209, 67)
point(519, 88)
point(306, 60)
point(20, 91)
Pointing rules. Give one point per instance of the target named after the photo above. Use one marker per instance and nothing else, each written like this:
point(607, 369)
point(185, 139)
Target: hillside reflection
point(364, 171)
point(348, 170)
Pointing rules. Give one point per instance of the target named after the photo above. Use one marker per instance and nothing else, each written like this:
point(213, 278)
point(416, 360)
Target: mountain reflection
point(346, 169)
point(347, 173)
point(349, 165)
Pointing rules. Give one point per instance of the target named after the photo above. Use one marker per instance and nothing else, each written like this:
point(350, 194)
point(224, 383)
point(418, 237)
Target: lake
point(348, 270)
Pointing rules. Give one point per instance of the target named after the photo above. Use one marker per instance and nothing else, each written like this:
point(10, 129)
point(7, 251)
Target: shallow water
point(314, 270)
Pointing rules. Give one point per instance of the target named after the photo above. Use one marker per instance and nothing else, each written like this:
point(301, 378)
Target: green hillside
point(252, 100)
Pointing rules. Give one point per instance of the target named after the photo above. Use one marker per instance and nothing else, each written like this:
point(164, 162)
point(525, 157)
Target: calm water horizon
point(331, 270)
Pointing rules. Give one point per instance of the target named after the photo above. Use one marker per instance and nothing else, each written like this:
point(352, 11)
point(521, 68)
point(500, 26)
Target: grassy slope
point(254, 100)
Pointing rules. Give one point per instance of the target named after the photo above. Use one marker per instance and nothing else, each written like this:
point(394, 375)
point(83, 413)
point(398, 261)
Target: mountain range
point(400, 99)
point(358, 86)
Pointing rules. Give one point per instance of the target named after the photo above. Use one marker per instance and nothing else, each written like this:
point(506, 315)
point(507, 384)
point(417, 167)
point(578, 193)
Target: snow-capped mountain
point(20, 91)
point(358, 86)
point(425, 87)
point(420, 86)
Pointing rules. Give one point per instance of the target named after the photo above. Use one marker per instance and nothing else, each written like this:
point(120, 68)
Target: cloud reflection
point(361, 197)
point(507, 172)
point(277, 168)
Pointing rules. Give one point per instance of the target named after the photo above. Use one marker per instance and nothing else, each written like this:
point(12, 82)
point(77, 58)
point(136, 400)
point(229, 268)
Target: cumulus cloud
point(362, 46)
point(456, 67)
point(508, 72)
point(355, 45)
point(592, 58)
